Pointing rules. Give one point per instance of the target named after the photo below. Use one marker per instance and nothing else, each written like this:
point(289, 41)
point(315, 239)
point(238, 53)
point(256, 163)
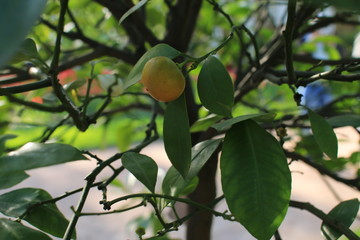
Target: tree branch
point(25, 87)
point(326, 219)
point(99, 48)
point(354, 183)
point(37, 106)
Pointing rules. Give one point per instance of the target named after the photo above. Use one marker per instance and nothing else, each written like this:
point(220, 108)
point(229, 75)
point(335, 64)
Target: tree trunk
point(199, 226)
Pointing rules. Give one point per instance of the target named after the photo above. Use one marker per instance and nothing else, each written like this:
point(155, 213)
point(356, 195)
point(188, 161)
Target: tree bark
point(199, 226)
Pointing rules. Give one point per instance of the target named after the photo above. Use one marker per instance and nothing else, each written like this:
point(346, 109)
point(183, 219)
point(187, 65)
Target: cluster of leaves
point(234, 117)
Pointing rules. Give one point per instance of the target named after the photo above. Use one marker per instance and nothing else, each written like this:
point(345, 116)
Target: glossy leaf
point(46, 217)
point(345, 212)
point(204, 123)
point(344, 120)
point(10, 179)
point(215, 87)
point(159, 50)
point(255, 178)
point(19, 15)
point(36, 155)
point(224, 125)
point(142, 167)
point(177, 140)
point(324, 134)
point(11, 230)
point(174, 184)
point(132, 10)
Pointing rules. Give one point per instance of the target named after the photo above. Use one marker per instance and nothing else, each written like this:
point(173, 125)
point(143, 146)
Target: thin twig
point(326, 219)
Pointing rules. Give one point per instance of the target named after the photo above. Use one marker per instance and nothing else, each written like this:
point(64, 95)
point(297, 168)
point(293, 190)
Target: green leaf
point(225, 125)
point(132, 10)
point(255, 178)
point(204, 123)
point(344, 120)
point(159, 50)
point(142, 167)
point(36, 155)
point(19, 15)
point(10, 230)
point(177, 140)
point(74, 85)
point(12, 178)
point(174, 184)
point(126, 136)
point(323, 134)
point(215, 87)
point(27, 51)
point(345, 212)
point(46, 217)
point(3, 139)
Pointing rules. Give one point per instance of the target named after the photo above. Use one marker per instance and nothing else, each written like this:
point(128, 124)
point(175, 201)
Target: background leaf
point(349, 4)
point(27, 51)
point(142, 167)
point(36, 155)
point(324, 134)
point(10, 230)
point(159, 50)
point(46, 217)
point(256, 183)
point(345, 212)
point(344, 120)
point(224, 125)
point(174, 184)
point(204, 123)
point(3, 139)
point(215, 87)
point(132, 10)
point(177, 140)
point(19, 15)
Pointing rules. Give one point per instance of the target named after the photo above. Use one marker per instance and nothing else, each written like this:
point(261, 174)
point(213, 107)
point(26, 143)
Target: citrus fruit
point(163, 79)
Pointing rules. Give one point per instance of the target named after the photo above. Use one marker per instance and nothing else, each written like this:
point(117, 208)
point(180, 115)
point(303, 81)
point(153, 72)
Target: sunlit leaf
point(215, 87)
point(19, 15)
point(10, 230)
point(142, 167)
point(324, 134)
point(345, 213)
point(255, 178)
point(177, 140)
point(159, 50)
point(125, 135)
point(3, 139)
point(46, 217)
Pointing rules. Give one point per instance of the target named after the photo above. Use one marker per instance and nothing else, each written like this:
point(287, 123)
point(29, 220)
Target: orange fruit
point(163, 79)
